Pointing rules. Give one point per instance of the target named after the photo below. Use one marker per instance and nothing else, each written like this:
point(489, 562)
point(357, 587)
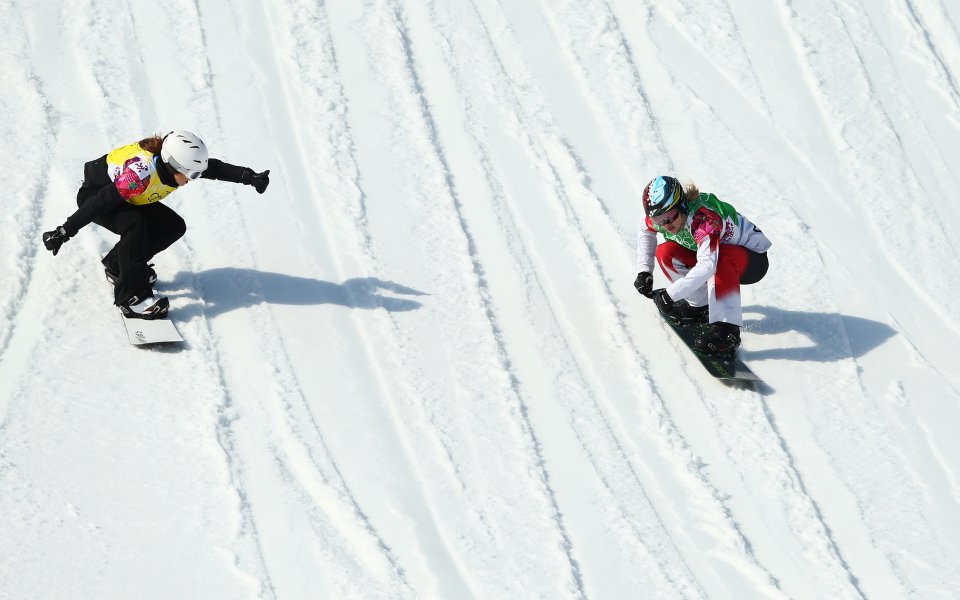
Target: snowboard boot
point(113, 275)
point(718, 338)
point(684, 313)
point(148, 308)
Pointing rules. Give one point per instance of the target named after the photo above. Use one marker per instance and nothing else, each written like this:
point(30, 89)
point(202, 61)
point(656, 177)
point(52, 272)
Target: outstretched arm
point(104, 199)
point(221, 171)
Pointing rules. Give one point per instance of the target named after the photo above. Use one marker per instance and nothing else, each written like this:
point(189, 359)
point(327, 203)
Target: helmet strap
point(167, 173)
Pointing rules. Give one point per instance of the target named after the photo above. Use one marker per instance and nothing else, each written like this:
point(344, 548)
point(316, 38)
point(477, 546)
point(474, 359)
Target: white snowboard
point(143, 332)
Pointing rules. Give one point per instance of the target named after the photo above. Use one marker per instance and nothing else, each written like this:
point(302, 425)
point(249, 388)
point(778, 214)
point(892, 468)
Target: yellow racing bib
point(133, 171)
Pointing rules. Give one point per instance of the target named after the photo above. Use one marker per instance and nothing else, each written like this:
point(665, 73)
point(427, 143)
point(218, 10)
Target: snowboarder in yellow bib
point(121, 192)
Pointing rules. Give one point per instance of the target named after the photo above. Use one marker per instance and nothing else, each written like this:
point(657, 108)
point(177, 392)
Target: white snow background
point(416, 366)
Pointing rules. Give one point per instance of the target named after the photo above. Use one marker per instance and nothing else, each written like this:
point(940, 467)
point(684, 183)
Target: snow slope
point(416, 366)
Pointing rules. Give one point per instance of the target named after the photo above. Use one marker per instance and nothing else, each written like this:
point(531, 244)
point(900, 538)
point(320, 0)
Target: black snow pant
point(144, 231)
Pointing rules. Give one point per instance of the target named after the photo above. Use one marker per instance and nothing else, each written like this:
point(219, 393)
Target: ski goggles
point(188, 173)
point(666, 218)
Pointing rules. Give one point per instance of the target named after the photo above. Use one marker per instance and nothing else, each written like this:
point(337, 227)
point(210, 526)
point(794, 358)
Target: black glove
point(663, 301)
point(259, 181)
point(644, 284)
point(54, 239)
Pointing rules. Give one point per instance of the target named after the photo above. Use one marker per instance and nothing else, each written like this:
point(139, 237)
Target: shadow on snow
point(217, 291)
point(833, 336)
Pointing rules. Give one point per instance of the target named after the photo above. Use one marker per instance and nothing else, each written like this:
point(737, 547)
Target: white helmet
point(185, 152)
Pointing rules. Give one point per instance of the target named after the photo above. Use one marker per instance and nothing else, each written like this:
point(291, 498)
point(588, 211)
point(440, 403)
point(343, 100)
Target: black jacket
point(98, 194)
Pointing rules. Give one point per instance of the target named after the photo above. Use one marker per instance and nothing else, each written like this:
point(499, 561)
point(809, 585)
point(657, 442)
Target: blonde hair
point(690, 191)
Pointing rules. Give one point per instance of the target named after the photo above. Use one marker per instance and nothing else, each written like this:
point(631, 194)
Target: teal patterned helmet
point(663, 194)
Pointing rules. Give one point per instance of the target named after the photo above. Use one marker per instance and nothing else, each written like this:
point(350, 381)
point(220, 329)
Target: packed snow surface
point(416, 366)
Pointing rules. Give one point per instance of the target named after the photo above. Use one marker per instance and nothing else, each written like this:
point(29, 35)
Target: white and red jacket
point(710, 224)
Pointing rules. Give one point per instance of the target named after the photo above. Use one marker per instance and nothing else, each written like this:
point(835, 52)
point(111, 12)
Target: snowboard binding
point(146, 309)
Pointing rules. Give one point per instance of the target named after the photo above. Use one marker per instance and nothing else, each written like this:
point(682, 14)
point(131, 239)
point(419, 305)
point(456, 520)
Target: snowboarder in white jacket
point(709, 251)
point(121, 191)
